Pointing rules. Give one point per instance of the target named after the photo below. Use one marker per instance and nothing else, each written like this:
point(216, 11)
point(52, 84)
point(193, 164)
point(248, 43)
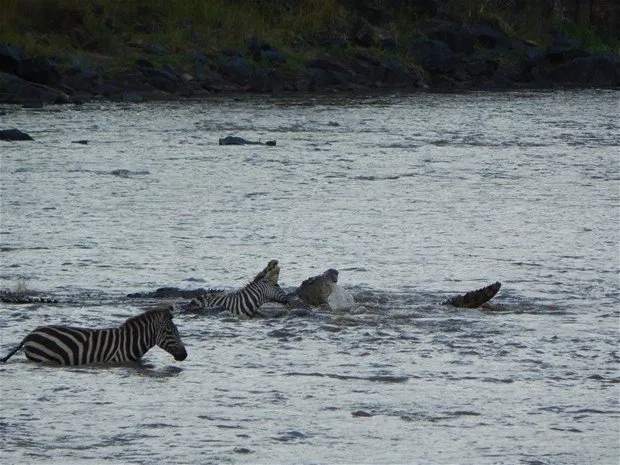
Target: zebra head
point(168, 338)
point(271, 272)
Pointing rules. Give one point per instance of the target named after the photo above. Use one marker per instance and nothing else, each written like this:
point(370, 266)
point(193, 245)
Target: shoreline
point(440, 54)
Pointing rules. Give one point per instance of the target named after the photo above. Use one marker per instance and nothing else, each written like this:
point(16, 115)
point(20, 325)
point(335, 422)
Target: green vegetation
point(113, 33)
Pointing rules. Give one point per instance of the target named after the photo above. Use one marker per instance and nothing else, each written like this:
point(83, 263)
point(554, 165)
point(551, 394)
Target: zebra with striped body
point(67, 345)
point(244, 302)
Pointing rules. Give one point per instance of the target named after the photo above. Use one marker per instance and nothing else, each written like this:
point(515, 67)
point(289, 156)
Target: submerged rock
point(234, 140)
point(14, 134)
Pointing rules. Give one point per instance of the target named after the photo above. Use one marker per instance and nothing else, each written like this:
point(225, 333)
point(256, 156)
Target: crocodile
point(271, 271)
point(474, 299)
point(9, 297)
point(316, 290)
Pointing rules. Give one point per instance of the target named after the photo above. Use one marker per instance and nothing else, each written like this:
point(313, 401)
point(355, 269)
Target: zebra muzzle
point(180, 355)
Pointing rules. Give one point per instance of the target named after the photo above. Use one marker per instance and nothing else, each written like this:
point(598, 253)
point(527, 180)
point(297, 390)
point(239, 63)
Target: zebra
point(68, 345)
point(245, 301)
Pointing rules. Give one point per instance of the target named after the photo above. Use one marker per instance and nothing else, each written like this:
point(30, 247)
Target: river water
point(413, 198)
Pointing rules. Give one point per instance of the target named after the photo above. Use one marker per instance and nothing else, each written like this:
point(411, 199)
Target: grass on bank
point(112, 33)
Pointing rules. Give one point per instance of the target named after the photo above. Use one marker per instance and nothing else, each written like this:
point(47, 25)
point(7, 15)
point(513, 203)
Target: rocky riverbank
point(438, 55)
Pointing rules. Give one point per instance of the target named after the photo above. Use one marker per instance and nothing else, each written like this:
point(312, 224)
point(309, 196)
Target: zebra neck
point(134, 341)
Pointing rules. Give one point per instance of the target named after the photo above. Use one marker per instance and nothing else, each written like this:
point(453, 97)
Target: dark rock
point(590, 71)
point(14, 89)
point(238, 70)
point(320, 78)
point(234, 140)
point(132, 97)
point(335, 42)
point(253, 44)
point(144, 63)
point(81, 80)
point(258, 81)
point(535, 54)
point(366, 56)
point(158, 49)
point(10, 56)
point(363, 35)
point(208, 79)
point(230, 52)
point(274, 57)
point(33, 105)
point(14, 134)
point(311, 79)
point(38, 70)
point(109, 89)
point(134, 81)
point(336, 71)
point(199, 57)
point(435, 55)
point(491, 37)
point(564, 49)
point(370, 13)
point(388, 43)
point(77, 64)
point(394, 73)
point(422, 7)
point(461, 40)
point(482, 67)
point(265, 81)
point(163, 79)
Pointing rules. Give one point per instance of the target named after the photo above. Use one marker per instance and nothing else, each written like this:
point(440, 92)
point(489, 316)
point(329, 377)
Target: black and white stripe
point(67, 345)
point(244, 302)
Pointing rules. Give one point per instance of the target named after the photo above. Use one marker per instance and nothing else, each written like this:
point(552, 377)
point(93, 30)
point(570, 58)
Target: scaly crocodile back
point(474, 299)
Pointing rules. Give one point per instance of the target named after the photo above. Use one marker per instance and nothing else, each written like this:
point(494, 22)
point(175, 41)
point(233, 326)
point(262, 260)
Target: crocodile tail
point(12, 352)
point(475, 299)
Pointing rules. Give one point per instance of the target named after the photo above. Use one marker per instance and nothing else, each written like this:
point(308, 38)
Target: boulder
point(38, 70)
point(14, 89)
point(14, 134)
point(434, 55)
point(460, 39)
point(237, 69)
point(234, 140)
point(161, 78)
point(563, 49)
point(10, 56)
point(590, 71)
point(490, 37)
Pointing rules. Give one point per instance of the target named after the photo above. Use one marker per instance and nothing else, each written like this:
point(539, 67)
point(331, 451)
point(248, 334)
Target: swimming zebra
point(245, 301)
point(67, 345)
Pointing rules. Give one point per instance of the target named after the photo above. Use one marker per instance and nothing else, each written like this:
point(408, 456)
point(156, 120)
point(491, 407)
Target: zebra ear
point(175, 310)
